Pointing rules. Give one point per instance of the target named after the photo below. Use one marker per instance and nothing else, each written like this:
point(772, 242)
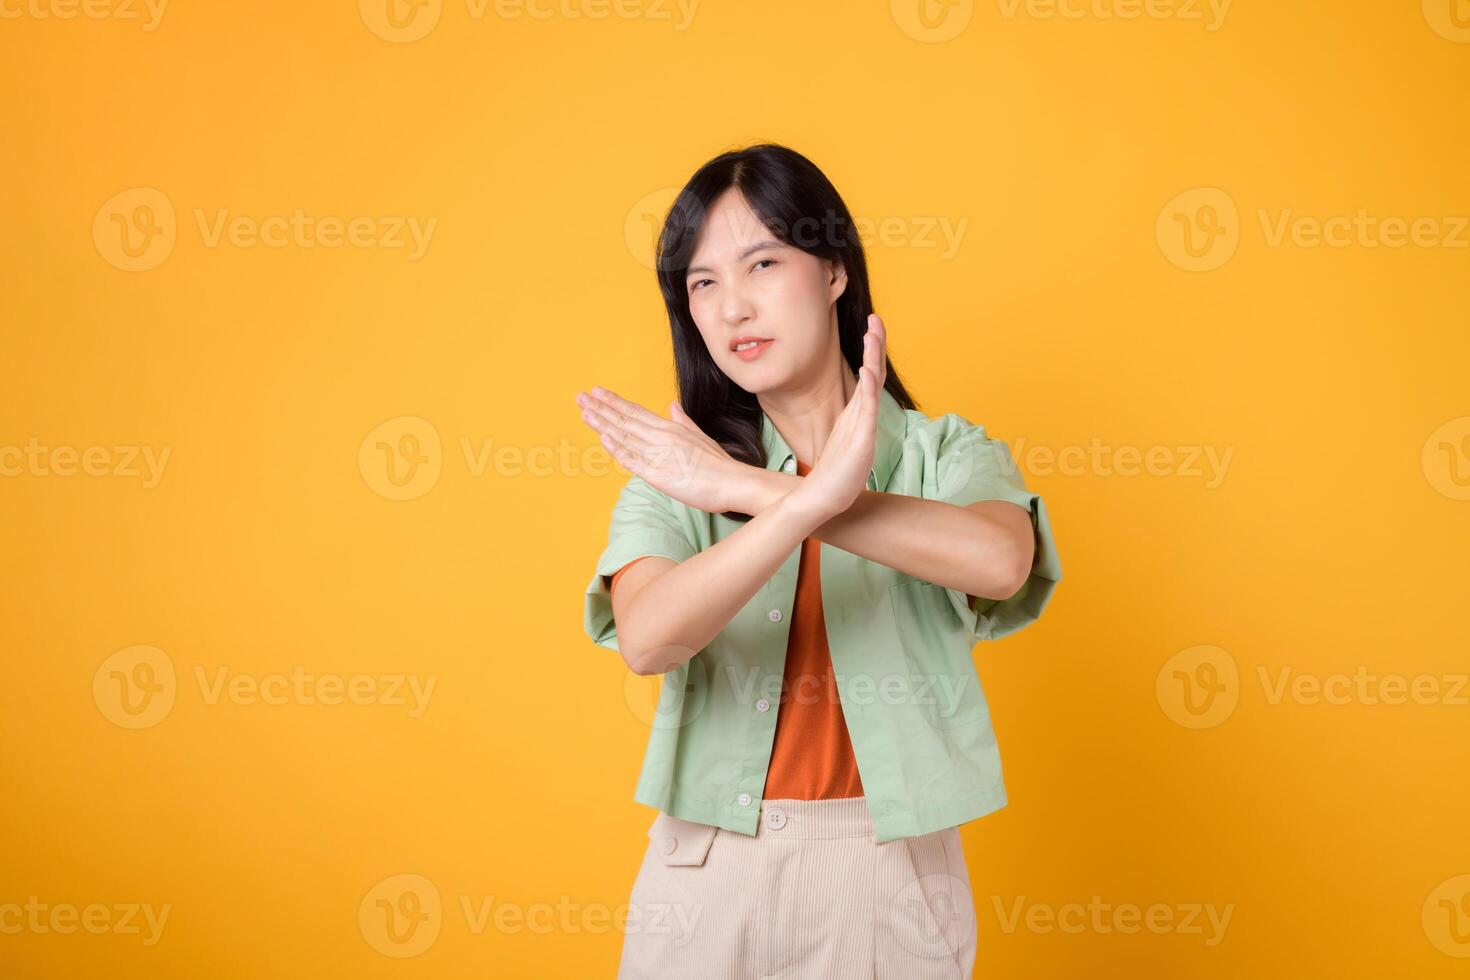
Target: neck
point(805, 414)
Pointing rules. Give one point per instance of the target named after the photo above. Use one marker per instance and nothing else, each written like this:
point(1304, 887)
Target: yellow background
point(1336, 541)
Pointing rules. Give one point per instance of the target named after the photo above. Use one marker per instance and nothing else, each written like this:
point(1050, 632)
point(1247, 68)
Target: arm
point(668, 611)
point(985, 549)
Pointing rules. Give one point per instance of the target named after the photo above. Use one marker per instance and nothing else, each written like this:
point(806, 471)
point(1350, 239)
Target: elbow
point(647, 660)
point(639, 664)
point(1019, 571)
point(634, 654)
point(1009, 573)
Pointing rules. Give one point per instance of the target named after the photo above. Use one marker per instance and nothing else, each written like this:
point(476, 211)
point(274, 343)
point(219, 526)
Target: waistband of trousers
point(812, 819)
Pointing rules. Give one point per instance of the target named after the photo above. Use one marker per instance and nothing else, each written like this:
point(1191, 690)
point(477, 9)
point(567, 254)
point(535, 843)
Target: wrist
point(760, 488)
point(805, 500)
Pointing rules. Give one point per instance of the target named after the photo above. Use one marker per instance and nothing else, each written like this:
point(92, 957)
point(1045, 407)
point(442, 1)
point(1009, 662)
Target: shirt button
point(775, 818)
point(774, 615)
point(744, 799)
point(763, 705)
point(669, 844)
point(790, 466)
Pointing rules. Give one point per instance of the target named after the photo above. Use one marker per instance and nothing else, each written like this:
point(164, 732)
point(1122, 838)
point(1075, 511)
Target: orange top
point(812, 757)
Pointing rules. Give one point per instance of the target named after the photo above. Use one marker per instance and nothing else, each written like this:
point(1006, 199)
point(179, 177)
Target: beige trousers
point(812, 896)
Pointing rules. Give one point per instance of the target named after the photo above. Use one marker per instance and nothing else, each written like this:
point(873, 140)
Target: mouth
point(749, 348)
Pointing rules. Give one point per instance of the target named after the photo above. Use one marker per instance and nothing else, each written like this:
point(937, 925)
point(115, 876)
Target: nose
point(735, 307)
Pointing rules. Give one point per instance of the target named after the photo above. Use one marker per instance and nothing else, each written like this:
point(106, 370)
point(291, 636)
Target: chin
point(757, 381)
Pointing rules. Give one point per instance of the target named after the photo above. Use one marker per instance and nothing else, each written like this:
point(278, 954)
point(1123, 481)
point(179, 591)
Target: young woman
point(809, 561)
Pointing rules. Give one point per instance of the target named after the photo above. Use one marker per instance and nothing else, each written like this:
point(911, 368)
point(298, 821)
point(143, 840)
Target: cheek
point(802, 294)
point(803, 306)
point(707, 319)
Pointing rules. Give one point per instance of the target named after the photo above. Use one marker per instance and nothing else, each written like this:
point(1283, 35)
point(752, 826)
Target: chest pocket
point(942, 683)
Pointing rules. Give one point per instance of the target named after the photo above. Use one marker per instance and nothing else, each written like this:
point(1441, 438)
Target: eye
point(697, 283)
point(762, 262)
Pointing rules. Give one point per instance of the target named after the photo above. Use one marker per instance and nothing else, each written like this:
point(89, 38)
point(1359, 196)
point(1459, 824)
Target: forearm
point(678, 613)
point(938, 542)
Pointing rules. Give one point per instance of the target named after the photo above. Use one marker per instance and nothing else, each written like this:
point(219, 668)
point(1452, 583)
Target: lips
point(750, 353)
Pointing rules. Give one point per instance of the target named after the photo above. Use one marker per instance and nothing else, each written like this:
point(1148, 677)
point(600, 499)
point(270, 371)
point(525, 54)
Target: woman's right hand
point(674, 456)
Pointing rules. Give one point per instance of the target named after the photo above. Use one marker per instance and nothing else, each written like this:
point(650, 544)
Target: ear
point(838, 283)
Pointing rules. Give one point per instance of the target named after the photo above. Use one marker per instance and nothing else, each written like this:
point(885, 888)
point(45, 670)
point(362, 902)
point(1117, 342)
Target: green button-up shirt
point(901, 647)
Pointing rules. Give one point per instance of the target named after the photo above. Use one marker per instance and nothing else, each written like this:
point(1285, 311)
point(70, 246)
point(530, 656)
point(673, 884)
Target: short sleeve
point(644, 522)
point(971, 467)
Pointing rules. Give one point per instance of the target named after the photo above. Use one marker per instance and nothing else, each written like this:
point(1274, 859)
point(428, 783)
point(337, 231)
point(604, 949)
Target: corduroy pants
point(812, 896)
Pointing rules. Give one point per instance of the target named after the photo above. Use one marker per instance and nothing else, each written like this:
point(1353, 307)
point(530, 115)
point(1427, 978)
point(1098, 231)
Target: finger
point(601, 419)
point(629, 460)
point(868, 344)
point(628, 453)
point(870, 396)
point(656, 454)
point(875, 350)
point(881, 353)
point(630, 424)
point(619, 429)
point(628, 409)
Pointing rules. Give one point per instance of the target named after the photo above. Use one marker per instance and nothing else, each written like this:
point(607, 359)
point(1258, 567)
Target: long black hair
point(800, 207)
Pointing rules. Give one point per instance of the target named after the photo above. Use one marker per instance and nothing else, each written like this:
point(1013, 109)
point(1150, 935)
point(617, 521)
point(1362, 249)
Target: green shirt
point(901, 647)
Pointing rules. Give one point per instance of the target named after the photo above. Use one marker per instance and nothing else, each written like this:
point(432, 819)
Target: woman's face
point(744, 284)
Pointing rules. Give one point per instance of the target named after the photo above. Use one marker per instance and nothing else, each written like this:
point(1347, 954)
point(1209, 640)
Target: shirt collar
point(887, 449)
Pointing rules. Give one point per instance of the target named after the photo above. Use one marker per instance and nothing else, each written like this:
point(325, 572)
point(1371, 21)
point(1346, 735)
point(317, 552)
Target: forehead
point(729, 227)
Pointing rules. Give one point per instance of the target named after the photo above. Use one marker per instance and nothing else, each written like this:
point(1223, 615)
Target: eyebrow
point(749, 250)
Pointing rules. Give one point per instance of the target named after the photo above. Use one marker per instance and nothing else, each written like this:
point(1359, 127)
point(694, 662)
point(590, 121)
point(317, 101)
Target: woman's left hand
point(672, 455)
point(839, 475)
